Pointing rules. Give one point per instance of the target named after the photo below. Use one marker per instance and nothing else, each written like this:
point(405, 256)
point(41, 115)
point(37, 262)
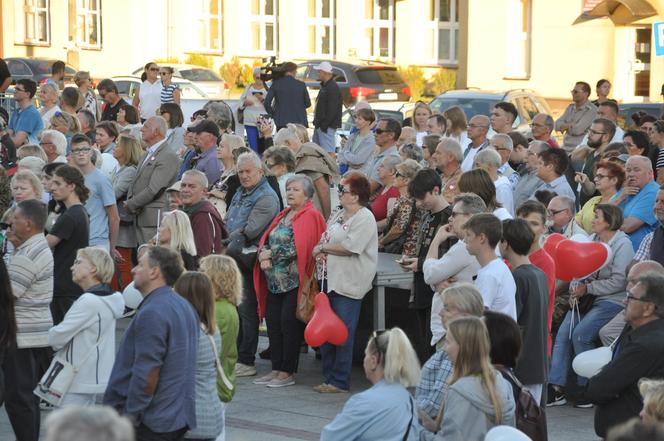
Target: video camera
point(273, 71)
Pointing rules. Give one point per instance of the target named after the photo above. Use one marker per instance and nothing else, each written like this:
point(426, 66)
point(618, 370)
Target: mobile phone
point(265, 116)
point(343, 136)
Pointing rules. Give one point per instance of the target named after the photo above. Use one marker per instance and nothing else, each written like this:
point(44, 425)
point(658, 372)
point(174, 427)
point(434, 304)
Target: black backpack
point(530, 416)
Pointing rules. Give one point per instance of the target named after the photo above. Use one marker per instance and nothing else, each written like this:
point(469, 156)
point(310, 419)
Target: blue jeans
point(338, 360)
point(247, 338)
point(584, 334)
point(252, 137)
point(325, 139)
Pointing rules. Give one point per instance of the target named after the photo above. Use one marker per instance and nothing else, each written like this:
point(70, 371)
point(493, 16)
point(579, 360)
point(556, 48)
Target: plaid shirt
point(643, 253)
point(431, 391)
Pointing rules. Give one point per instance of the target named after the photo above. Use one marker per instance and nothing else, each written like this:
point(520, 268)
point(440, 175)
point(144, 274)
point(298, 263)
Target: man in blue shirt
point(101, 205)
point(207, 137)
point(637, 199)
point(26, 123)
point(152, 381)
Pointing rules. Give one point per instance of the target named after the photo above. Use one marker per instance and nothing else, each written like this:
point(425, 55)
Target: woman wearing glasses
point(349, 250)
point(599, 296)
point(608, 181)
point(251, 107)
point(148, 95)
point(170, 92)
point(386, 411)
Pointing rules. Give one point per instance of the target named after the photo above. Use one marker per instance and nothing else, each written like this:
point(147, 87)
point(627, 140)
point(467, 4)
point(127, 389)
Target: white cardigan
point(90, 318)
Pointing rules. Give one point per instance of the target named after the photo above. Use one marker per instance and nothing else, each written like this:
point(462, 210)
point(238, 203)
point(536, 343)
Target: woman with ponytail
point(479, 398)
point(386, 411)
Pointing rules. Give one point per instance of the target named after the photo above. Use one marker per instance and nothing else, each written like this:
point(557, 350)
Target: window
point(442, 40)
point(517, 44)
point(320, 27)
point(208, 26)
point(33, 22)
point(263, 26)
point(378, 35)
point(88, 23)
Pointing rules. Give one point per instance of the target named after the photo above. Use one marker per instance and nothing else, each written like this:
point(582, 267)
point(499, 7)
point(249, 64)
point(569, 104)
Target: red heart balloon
point(551, 242)
point(325, 325)
point(577, 260)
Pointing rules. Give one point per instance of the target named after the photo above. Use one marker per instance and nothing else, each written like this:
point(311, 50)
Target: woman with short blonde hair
point(26, 185)
point(31, 150)
point(48, 102)
point(84, 83)
point(175, 233)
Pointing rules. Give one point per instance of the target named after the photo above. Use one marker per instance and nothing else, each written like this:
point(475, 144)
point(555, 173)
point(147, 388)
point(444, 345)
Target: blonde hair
point(50, 90)
point(197, 289)
point(233, 141)
point(225, 277)
point(68, 120)
point(101, 260)
point(408, 168)
point(81, 76)
point(457, 119)
point(31, 150)
point(473, 358)
point(652, 392)
point(132, 151)
point(396, 356)
point(301, 132)
point(466, 298)
point(417, 106)
point(182, 236)
point(31, 178)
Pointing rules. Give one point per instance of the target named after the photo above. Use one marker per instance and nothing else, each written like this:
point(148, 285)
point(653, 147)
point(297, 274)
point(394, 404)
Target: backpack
point(530, 417)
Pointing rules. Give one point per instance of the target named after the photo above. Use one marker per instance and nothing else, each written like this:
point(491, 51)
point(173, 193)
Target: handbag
point(56, 382)
point(220, 371)
point(244, 256)
point(585, 303)
point(310, 287)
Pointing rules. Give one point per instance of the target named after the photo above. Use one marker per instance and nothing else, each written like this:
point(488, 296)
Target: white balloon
point(589, 363)
point(506, 433)
point(132, 296)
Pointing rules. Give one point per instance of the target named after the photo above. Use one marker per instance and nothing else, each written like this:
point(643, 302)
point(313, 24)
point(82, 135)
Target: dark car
point(480, 102)
point(628, 109)
point(36, 69)
point(370, 81)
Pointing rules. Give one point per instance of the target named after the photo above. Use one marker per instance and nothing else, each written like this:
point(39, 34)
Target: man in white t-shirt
point(494, 279)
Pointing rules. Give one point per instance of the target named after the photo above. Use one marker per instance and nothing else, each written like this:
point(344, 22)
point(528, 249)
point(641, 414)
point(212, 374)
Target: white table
point(388, 274)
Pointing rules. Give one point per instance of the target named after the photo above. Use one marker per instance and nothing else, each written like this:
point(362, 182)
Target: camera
point(273, 71)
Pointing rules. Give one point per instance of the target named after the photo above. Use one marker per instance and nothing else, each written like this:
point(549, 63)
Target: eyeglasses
point(5, 225)
point(80, 151)
point(599, 176)
point(381, 131)
point(398, 175)
point(43, 143)
point(341, 189)
point(595, 132)
point(533, 125)
point(16, 89)
point(154, 69)
point(457, 213)
point(576, 91)
point(475, 126)
point(554, 212)
point(629, 297)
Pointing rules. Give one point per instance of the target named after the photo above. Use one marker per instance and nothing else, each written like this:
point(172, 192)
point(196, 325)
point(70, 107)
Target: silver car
point(206, 79)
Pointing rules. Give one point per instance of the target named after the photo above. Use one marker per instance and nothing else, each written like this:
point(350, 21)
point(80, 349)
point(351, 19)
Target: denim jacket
point(252, 211)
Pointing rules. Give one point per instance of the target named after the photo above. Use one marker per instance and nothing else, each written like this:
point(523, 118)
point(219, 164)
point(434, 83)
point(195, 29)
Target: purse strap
point(217, 363)
point(410, 423)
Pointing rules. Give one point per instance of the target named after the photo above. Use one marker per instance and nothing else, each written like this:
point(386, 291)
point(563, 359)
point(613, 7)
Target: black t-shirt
point(73, 230)
point(110, 113)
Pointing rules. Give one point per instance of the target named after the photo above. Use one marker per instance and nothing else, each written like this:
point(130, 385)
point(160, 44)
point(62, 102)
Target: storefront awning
point(621, 12)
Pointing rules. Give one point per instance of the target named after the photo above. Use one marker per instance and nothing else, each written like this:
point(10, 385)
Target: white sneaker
point(276, 382)
point(244, 370)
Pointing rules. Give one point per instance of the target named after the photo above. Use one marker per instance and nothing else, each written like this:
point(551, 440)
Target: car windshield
point(199, 75)
point(373, 75)
point(471, 105)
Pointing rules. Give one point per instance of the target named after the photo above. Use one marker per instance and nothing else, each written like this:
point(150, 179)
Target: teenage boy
point(494, 280)
point(532, 303)
point(25, 124)
point(426, 187)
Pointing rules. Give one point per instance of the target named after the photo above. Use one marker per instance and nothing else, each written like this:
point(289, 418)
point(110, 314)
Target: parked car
point(371, 81)
point(628, 109)
point(206, 79)
point(36, 69)
point(480, 102)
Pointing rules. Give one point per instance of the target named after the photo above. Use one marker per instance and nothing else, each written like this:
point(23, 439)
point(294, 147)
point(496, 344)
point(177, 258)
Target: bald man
point(612, 330)
point(637, 199)
point(478, 127)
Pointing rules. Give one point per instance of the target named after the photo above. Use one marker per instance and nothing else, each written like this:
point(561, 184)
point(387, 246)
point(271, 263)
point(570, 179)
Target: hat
point(205, 126)
point(324, 66)
point(175, 187)
point(622, 158)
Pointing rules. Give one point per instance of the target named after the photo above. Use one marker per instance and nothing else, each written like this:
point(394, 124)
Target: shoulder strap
point(410, 423)
point(217, 363)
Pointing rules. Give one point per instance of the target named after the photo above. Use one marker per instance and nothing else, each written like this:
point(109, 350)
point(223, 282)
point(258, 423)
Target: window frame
point(319, 23)
point(376, 24)
point(437, 26)
point(22, 9)
point(263, 20)
point(203, 18)
point(82, 10)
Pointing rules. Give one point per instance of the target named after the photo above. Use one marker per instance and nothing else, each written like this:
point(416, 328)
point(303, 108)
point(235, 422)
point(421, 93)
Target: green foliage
point(171, 60)
point(199, 60)
point(414, 77)
point(231, 71)
point(444, 79)
point(247, 75)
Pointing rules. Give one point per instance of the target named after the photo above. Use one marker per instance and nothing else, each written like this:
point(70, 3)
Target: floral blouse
point(283, 276)
point(400, 216)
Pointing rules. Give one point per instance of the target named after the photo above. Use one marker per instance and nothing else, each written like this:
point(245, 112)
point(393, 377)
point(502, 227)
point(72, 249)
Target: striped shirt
point(31, 275)
point(167, 93)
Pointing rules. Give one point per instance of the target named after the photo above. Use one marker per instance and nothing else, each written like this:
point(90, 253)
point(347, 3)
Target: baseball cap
point(205, 126)
point(324, 66)
point(175, 187)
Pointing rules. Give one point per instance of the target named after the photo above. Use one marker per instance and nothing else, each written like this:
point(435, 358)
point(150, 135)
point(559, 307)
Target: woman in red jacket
point(284, 263)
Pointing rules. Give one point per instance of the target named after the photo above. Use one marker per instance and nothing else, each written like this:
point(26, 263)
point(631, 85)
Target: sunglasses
point(341, 189)
point(381, 131)
point(80, 151)
point(154, 69)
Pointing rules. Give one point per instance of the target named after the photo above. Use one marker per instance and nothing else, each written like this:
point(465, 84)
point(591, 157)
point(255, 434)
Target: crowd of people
point(218, 234)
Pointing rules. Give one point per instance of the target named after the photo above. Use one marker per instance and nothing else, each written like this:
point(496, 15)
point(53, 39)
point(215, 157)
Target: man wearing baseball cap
point(207, 135)
point(327, 115)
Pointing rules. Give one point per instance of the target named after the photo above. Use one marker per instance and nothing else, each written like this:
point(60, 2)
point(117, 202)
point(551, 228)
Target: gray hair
point(391, 162)
point(409, 168)
point(88, 116)
point(307, 184)
point(412, 151)
point(507, 141)
point(539, 146)
point(569, 203)
point(471, 203)
point(219, 113)
point(488, 157)
point(286, 134)
point(160, 124)
point(280, 155)
point(548, 121)
point(452, 146)
point(202, 177)
point(83, 423)
point(58, 140)
point(250, 157)
point(32, 163)
point(645, 160)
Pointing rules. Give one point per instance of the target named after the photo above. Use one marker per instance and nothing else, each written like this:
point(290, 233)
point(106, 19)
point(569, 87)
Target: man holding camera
point(327, 116)
point(288, 99)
